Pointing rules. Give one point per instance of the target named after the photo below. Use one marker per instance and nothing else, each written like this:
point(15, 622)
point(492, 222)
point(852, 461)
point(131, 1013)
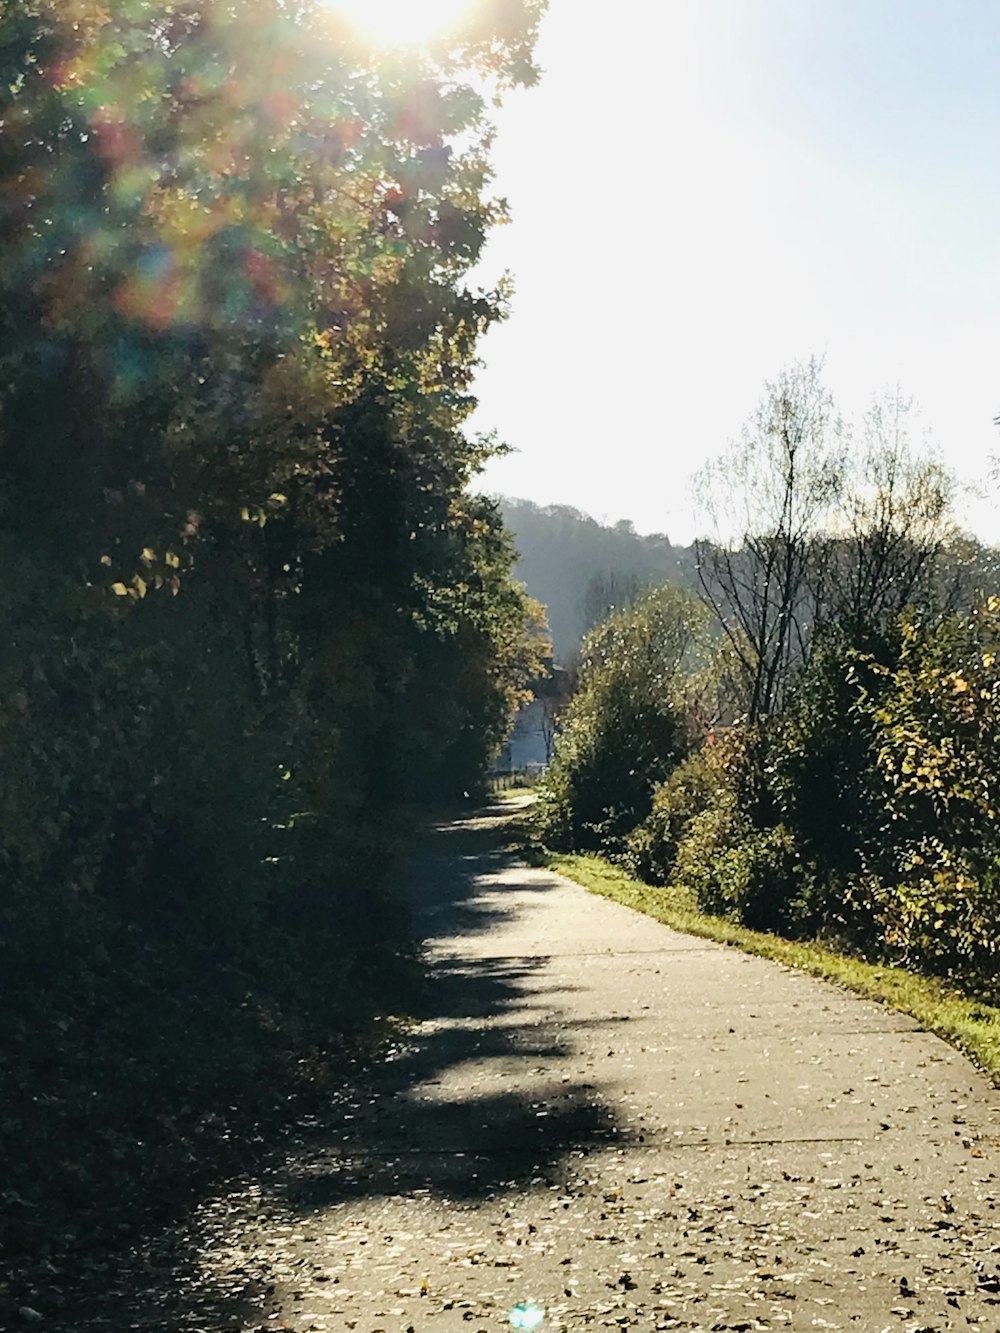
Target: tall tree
point(892, 525)
point(768, 499)
point(246, 589)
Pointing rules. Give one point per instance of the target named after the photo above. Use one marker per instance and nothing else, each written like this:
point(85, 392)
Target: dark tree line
point(582, 569)
point(251, 605)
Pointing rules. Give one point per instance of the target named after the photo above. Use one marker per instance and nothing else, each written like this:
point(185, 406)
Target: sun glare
point(401, 22)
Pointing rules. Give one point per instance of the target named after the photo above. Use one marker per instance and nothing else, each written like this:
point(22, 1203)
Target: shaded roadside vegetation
point(251, 607)
point(810, 746)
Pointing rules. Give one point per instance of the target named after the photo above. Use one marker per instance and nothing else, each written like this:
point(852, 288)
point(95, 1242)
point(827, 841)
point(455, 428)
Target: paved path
point(634, 1129)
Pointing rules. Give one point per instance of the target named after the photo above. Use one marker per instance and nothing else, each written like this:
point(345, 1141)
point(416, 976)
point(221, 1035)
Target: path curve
point(634, 1129)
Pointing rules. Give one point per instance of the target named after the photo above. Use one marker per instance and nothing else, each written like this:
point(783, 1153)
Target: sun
point(401, 22)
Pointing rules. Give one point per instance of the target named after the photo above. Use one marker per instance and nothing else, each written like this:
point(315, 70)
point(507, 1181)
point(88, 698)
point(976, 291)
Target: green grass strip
point(964, 1022)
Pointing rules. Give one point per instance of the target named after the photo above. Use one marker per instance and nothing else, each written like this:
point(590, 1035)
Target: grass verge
point(964, 1022)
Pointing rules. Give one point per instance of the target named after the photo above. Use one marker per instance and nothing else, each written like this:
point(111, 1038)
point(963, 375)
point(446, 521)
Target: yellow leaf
point(119, 589)
point(139, 584)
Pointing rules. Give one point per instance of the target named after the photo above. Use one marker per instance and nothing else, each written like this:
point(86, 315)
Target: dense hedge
point(250, 606)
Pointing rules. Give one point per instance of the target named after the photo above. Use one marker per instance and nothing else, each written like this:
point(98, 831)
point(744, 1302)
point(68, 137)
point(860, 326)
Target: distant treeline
point(581, 569)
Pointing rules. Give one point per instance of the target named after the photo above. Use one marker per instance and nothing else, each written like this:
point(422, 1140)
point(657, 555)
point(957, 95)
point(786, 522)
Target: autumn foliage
point(251, 605)
point(846, 784)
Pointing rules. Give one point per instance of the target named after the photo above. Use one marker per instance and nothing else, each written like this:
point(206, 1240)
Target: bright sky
point(706, 190)
point(390, 22)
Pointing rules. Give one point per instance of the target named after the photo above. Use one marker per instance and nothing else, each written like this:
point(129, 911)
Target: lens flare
point(401, 22)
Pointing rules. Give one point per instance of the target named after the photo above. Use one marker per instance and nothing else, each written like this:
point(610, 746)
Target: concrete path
point(634, 1129)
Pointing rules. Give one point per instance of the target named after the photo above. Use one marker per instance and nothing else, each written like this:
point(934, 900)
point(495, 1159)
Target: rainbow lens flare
point(527, 1315)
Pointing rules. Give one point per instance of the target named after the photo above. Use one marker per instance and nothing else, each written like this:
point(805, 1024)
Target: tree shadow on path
point(471, 1100)
point(477, 1098)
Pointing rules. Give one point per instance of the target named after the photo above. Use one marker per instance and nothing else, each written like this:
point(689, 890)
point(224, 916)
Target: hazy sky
point(706, 190)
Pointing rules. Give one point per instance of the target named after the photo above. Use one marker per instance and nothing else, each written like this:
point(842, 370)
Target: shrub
point(822, 763)
point(936, 917)
point(771, 884)
point(711, 836)
point(651, 849)
point(939, 737)
point(756, 876)
point(626, 729)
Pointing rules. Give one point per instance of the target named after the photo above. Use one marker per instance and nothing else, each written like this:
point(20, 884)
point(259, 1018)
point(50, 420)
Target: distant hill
point(581, 568)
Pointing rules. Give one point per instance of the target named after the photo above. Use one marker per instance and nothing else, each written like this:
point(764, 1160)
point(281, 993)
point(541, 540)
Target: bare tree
point(769, 498)
point(607, 593)
point(892, 525)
